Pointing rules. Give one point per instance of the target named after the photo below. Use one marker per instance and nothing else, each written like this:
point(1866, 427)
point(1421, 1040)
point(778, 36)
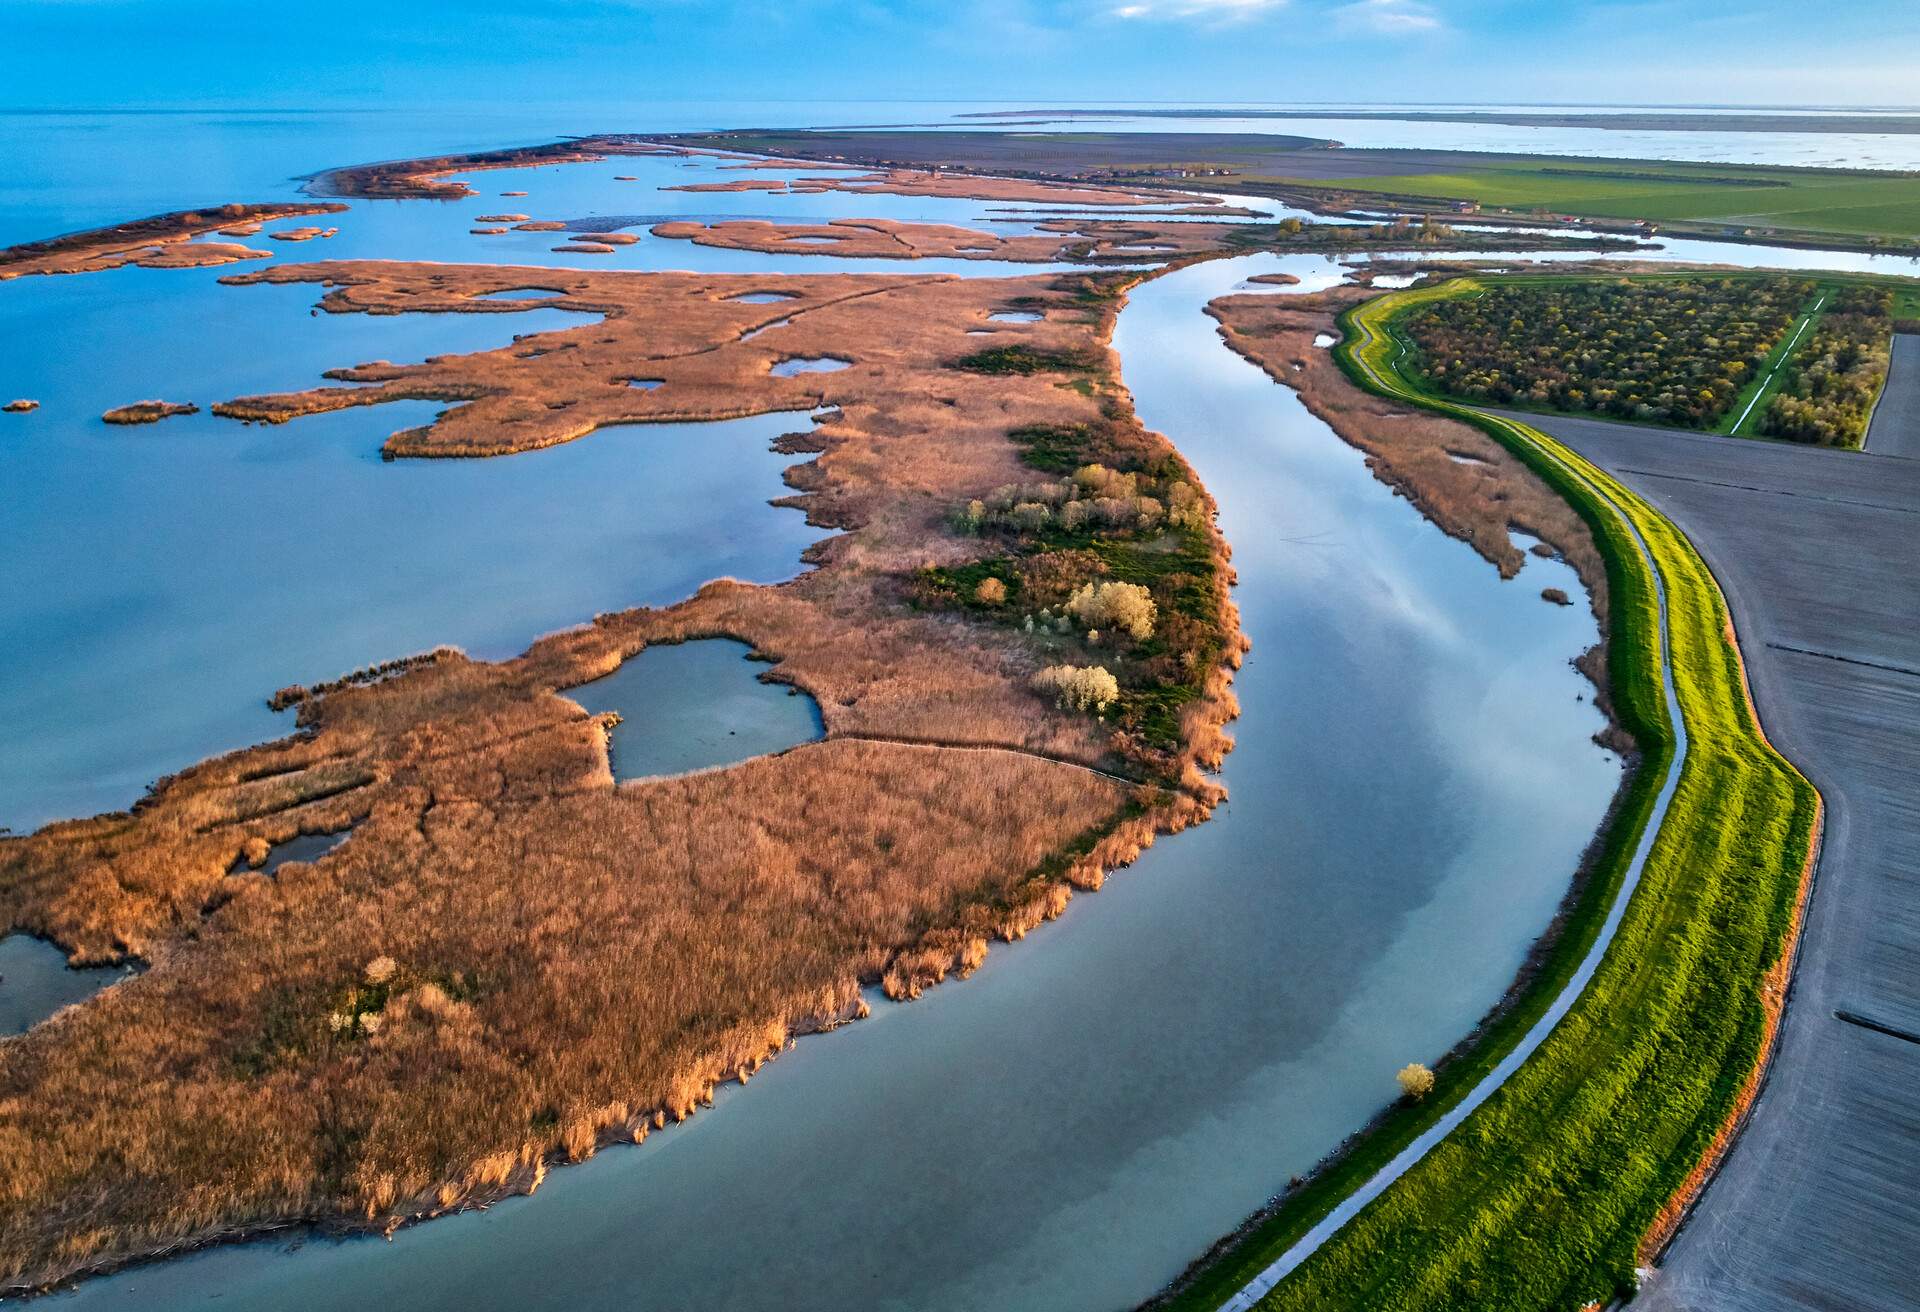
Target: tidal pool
point(301, 847)
point(696, 705)
point(809, 364)
point(35, 982)
point(1067, 1129)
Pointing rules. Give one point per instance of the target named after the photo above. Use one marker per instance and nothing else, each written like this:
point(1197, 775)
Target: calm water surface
point(35, 982)
point(695, 705)
point(1068, 1128)
point(1063, 1131)
point(158, 583)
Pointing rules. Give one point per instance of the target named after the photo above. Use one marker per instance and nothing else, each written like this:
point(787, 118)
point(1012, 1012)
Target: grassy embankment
point(1546, 1195)
point(1708, 199)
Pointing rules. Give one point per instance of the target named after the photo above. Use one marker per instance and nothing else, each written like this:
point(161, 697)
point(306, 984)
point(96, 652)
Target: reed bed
point(513, 960)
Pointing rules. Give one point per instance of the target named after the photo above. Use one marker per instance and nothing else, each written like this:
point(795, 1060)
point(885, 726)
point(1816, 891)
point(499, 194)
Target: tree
point(991, 592)
point(1416, 1081)
point(1126, 606)
point(1078, 687)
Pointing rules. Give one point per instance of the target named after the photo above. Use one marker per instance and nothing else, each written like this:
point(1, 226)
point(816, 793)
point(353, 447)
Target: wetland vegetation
point(952, 803)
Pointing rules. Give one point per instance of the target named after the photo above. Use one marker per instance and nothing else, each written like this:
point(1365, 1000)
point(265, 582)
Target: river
point(1065, 1130)
point(1069, 1127)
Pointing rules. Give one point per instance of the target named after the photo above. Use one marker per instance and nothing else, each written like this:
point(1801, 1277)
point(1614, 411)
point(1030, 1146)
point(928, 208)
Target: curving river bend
point(1068, 1128)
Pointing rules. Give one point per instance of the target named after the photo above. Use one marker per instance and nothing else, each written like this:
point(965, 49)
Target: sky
point(415, 53)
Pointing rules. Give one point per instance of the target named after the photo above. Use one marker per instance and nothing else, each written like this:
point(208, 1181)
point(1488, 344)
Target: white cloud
point(1388, 17)
point(1219, 11)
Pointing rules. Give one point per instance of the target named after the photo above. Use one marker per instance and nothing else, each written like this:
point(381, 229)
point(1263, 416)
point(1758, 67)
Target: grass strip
point(1767, 381)
point(1542, 1197)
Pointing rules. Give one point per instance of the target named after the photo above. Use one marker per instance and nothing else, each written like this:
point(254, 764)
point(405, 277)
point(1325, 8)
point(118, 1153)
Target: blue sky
point(151, 53)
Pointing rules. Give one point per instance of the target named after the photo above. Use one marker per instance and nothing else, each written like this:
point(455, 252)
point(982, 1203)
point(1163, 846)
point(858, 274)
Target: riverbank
point(794, 881)
point(1716, 907)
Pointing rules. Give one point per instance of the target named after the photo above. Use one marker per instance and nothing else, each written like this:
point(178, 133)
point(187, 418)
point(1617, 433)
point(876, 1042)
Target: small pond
point(696, 705)
point(35, 982)
point(301, 847)
point(809, 364)
point(764, 328)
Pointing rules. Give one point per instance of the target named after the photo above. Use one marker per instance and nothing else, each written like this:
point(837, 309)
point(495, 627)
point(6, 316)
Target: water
point(161, 582)
point(1854, 150)
point(1065, 1130)
point(35, 982)
point(696, 705)
point(301, 847)
point(809, 364)
point(64, 170)
point(1414, 784)
point(154, 639)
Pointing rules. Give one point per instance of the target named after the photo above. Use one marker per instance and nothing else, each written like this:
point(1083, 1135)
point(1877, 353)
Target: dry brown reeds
point(148, 412)
point(164, 241)
point(575, 962)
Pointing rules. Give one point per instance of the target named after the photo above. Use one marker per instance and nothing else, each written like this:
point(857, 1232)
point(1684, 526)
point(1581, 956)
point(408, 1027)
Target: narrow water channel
point(1067, 1129)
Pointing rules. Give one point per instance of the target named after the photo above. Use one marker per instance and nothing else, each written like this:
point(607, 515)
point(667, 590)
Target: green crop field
point(1542, 1197)
point(1854, 204)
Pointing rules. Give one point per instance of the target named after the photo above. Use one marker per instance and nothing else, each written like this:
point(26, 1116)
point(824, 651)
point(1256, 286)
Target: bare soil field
point(1810, 1206)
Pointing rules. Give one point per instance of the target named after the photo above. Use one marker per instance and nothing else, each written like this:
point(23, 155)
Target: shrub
point(1032, 516)
point(1416, 1081)
point(1078, 687)
point(1125, 606)
point(1027, 360)
point(1186, 508)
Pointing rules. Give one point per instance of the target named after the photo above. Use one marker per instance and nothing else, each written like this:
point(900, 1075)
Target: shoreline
point(157, 241)
point(1586, 999)
point(1184, 797)
point(941, 963)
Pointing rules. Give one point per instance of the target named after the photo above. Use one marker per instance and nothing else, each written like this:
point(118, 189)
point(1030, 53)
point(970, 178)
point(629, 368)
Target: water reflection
point(35, 982)
point(1069, 1127)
